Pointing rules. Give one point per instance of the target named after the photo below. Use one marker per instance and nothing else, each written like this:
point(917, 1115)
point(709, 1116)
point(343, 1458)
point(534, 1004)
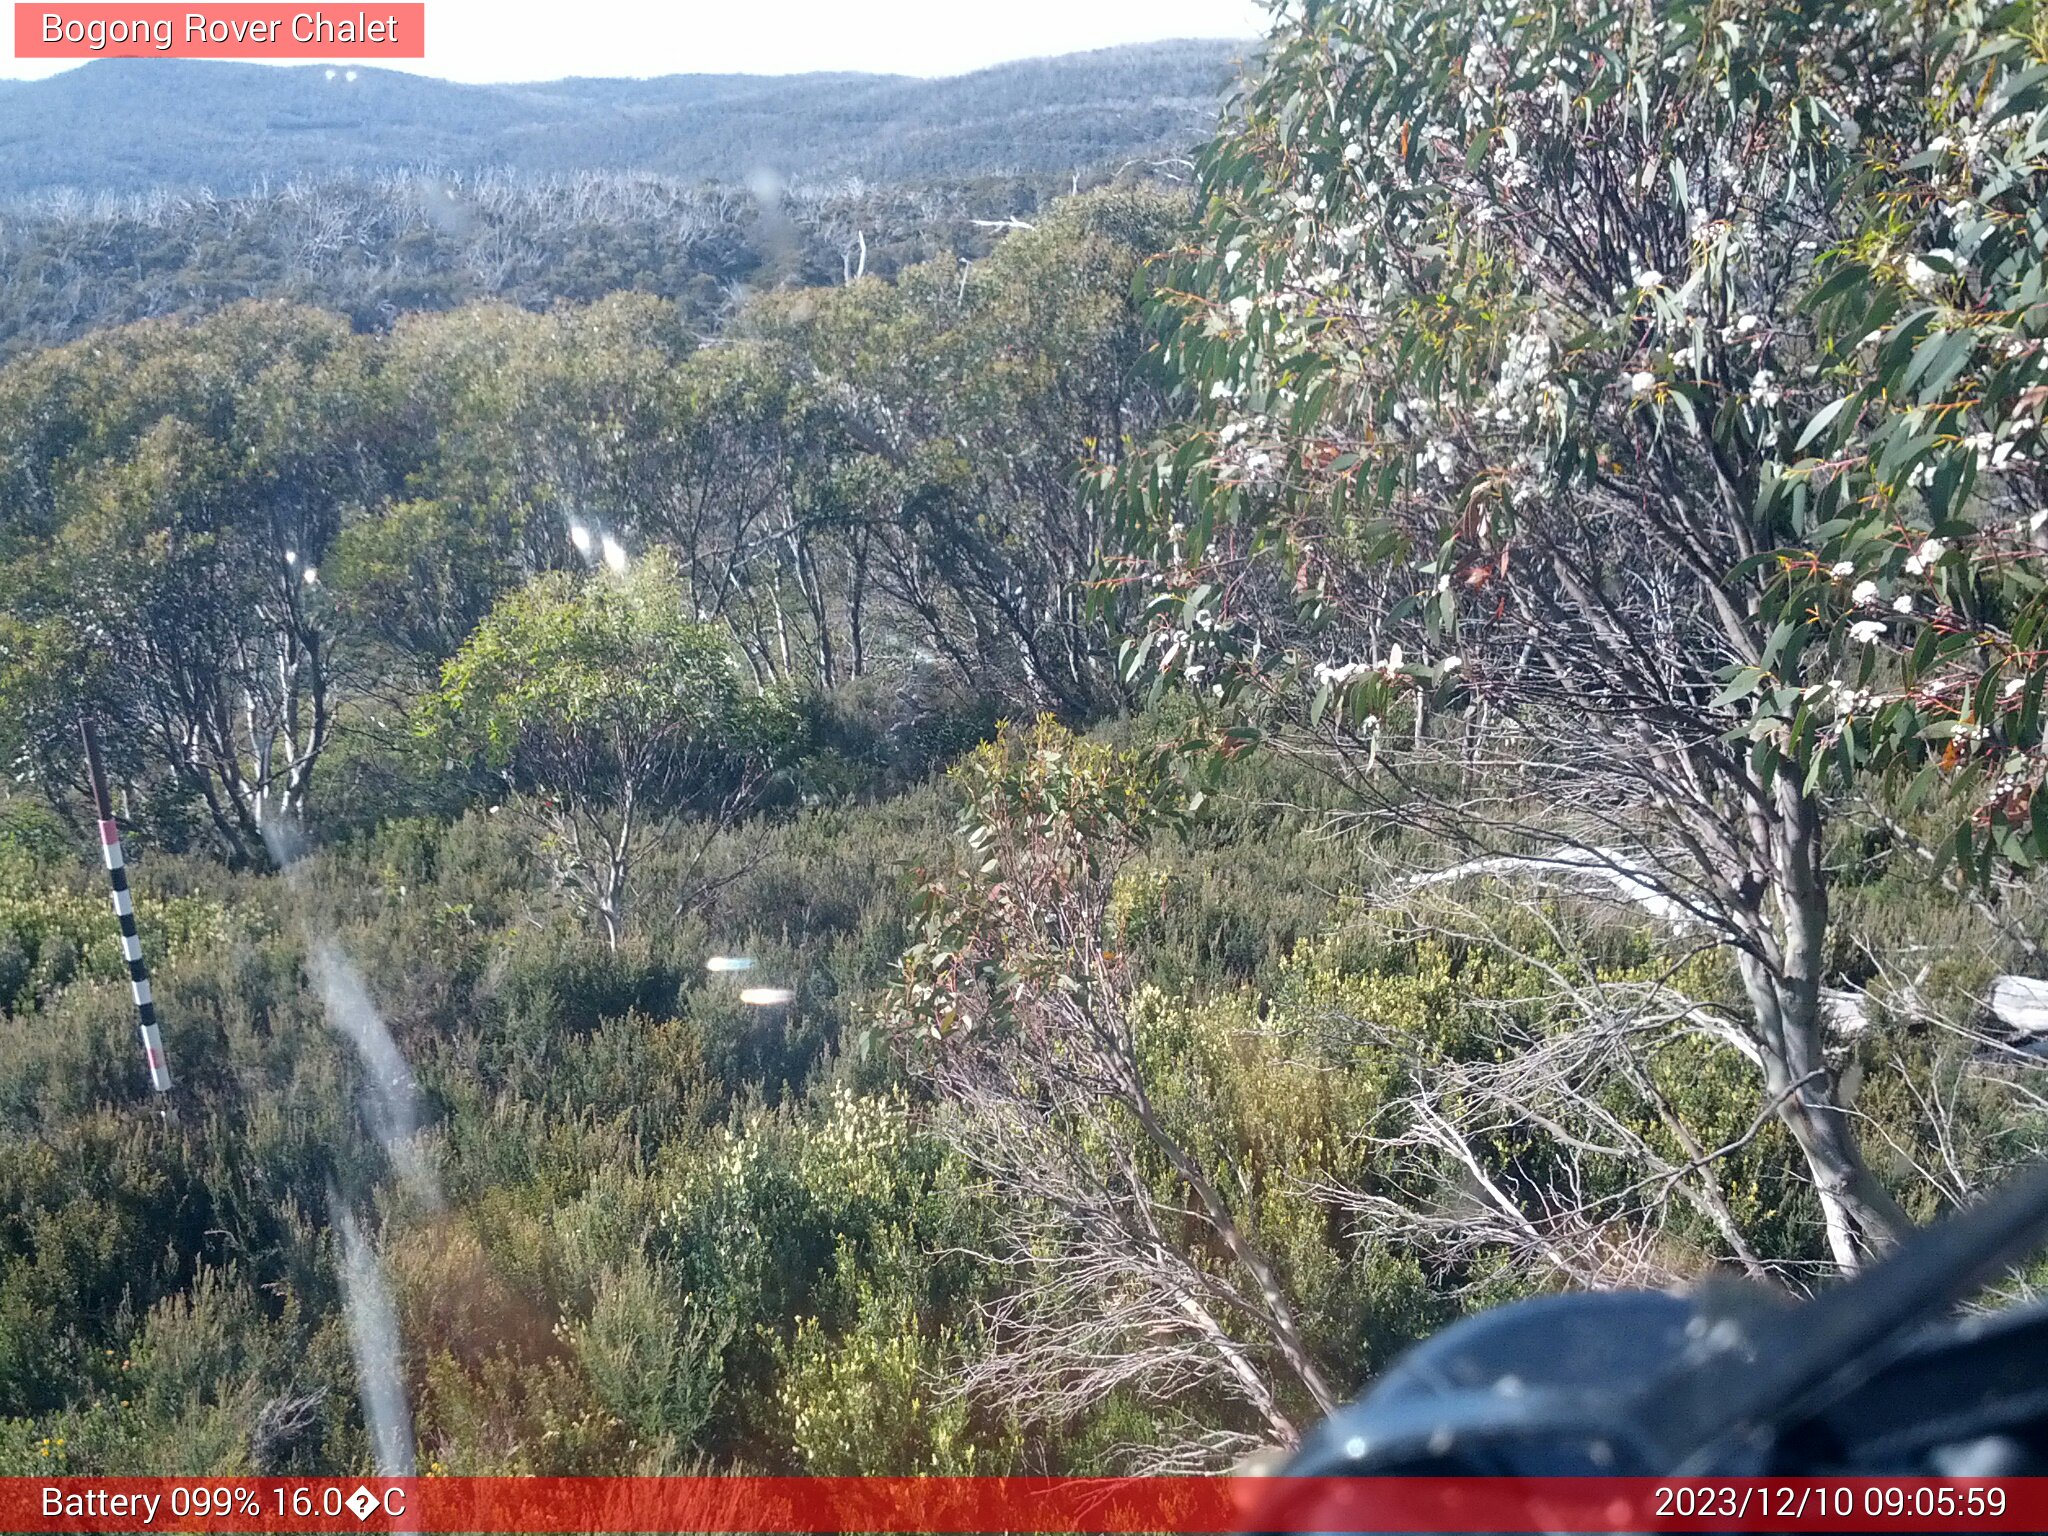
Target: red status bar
point(1208, 1506)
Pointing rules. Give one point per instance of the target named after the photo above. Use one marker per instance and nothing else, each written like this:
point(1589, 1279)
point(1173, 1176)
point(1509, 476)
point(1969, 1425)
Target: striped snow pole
point(124, 911)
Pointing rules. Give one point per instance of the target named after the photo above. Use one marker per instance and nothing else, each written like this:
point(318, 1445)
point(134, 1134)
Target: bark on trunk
point(1781, 974)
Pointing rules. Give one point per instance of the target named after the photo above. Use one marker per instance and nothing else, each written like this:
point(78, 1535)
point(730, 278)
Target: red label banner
point(226, 31)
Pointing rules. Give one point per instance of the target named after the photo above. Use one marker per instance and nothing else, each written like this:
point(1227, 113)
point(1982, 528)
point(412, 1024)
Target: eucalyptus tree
point(166, 522)
point(1626, 410)
point(963, 401)
point(602, 705)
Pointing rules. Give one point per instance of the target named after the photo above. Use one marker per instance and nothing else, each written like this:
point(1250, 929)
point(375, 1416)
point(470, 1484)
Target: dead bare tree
point(1103, 1293)
point(1551, 1140)
point(1132, 1265)
point(1671, 819)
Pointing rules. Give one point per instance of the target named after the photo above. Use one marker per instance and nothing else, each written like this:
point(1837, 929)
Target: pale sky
point(505, 40)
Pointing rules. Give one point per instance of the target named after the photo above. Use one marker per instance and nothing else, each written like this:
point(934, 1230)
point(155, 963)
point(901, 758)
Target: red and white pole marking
point(124, 912)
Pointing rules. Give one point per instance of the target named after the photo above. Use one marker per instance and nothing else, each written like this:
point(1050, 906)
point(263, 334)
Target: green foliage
point(1045, 811)
point(651, 1225)
point(163, 541)
point(422, 576)
point(965, 399)
point(249, 543)
point(646, 1267)
point(1818, 303)
point(1919, 484)
point(871, 1401)
point(56, 929)
point(596, 687)
point(1538, 412)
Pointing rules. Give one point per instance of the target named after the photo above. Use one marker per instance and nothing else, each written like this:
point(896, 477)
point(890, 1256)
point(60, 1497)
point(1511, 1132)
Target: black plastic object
point(1539, 1385)
point(1874, 1376)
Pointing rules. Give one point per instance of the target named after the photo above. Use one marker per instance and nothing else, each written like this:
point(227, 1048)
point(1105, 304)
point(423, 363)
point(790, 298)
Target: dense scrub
point(921, 886)
point(664, 1230)
point(660, 1204)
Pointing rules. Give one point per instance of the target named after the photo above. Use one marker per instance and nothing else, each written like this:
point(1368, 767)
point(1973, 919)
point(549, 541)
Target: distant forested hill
point(124, 126)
